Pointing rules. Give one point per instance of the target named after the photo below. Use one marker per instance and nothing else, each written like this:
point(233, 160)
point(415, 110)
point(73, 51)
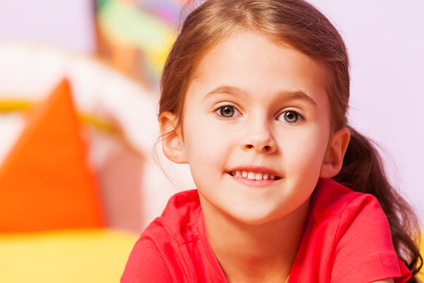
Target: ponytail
point(363, 172)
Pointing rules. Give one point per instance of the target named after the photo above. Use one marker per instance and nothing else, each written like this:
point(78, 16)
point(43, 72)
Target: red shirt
point(346, 239)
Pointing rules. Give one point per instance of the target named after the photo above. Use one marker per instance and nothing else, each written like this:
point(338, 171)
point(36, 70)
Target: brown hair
point(299, 24)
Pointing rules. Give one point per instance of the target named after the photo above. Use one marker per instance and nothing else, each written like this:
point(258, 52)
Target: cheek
point(202, 142)
point(306, 148)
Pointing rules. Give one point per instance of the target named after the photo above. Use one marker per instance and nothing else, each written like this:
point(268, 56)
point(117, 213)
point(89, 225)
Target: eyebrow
point(300, 95)
point(225, 89)
point(291, 95)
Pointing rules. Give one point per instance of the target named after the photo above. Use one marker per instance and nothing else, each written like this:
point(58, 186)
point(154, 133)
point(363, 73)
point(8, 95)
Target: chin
point(256, 219)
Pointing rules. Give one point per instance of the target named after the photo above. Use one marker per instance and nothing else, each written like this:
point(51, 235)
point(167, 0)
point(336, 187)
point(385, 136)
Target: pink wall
point(62, 23)
point(385, 40)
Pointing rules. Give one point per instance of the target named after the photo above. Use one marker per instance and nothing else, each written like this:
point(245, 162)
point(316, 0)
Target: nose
point(259, 138)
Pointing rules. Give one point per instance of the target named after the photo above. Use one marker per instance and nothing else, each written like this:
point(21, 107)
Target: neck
point(255, 253)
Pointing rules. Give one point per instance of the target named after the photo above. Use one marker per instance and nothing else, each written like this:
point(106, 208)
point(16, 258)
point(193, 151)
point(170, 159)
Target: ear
point(172, 139)
point(333, 160)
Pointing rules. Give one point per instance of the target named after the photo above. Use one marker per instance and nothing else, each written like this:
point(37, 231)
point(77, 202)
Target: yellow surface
point(65, 256)
point(11, 105)
point(14, 105)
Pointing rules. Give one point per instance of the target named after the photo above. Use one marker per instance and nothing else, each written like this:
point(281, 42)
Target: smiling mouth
point(253, 175)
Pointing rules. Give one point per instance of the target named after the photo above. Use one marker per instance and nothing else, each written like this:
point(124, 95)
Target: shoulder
point(178, 218)
point(350, 216)
point(361, 242)
point(158, 250)
point(181, 206)
point(145, 264)
point(332, 198)
point(342, 206)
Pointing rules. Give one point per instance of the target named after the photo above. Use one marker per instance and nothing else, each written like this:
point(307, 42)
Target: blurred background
point(111, 53)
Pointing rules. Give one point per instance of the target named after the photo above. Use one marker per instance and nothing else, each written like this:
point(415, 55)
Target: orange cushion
point(45, 181)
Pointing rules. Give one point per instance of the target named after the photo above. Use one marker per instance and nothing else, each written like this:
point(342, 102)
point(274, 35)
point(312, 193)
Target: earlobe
point(172, 140)
point(333, 160)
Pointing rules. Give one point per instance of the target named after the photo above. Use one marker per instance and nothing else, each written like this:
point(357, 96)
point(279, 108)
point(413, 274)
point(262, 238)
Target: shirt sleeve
point(363, 249)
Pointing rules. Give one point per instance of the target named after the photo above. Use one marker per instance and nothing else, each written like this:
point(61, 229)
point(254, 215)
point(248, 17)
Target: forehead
point(251, 61)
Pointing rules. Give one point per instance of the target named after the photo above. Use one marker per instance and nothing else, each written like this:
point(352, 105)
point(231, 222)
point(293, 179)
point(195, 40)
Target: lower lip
point(254, 183)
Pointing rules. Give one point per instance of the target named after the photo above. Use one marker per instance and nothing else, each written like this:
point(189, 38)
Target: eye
point(290, 117)
point(227, 111)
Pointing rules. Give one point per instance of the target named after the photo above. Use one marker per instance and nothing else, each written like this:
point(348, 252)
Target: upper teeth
point(253, 175)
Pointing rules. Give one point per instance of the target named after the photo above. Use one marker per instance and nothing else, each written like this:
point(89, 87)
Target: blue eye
point(227, 111)
point(290, 117)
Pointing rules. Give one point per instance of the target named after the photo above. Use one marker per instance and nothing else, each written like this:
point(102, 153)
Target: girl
point(254, 98)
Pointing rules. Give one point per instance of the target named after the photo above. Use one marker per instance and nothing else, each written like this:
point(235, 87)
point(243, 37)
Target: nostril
point(267, 148)
point(249, 146)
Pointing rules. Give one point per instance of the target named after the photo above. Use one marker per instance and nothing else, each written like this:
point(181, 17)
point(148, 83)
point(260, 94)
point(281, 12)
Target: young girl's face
point(256, 129)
